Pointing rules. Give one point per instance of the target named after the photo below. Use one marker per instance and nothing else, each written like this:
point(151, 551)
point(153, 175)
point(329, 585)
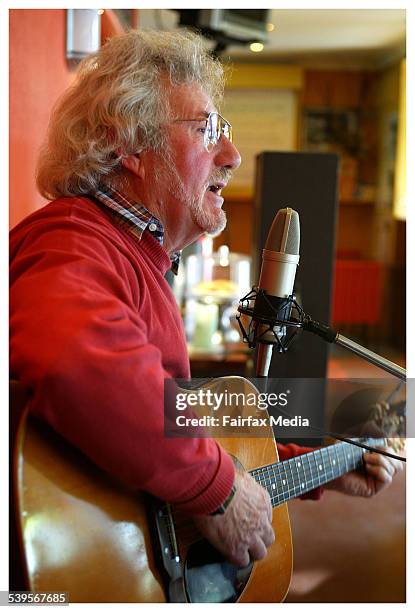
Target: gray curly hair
point(117, 106)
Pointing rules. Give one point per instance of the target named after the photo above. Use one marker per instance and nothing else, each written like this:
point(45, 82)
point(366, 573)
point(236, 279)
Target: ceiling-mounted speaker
point(83, 32)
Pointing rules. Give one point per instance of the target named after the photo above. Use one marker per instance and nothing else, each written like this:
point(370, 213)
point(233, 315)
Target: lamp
point(399, 204)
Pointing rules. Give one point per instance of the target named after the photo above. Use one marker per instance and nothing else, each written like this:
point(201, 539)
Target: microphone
point(274, 301)
point(273, 310)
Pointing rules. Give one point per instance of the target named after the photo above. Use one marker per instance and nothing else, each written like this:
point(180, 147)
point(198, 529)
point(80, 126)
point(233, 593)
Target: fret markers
point(288, 479)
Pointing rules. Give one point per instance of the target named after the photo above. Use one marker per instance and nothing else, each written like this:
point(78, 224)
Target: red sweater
point(95, 330)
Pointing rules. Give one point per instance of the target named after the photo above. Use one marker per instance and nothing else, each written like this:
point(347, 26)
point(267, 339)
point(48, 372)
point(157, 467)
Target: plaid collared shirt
point(134, 217)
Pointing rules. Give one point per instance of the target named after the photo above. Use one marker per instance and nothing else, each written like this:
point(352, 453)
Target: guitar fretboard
point(288, 479)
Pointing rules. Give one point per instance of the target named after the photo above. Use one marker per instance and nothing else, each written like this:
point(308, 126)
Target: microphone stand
point(271, 316)
point(332, 336)
point(264, 355)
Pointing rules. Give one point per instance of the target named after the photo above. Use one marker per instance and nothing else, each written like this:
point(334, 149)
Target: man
point(136, 158)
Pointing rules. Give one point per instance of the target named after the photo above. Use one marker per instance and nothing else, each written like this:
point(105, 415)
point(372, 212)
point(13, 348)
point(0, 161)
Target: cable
point(302, 321)
point(349, 440)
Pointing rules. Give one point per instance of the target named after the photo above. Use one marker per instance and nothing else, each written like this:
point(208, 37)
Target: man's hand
point(244, 532)
point(378, 473)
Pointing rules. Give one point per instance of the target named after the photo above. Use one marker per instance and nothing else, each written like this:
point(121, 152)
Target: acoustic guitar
point(83, 533)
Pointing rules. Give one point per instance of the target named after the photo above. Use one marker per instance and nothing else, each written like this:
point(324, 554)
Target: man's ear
point(134, 163)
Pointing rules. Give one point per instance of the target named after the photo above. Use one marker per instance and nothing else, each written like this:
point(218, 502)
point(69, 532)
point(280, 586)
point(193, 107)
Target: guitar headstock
point(371, 413)
point(395, 444)
point(390, 418)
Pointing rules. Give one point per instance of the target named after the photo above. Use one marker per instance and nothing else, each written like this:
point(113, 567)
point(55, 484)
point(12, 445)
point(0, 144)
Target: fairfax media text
point(240, 421)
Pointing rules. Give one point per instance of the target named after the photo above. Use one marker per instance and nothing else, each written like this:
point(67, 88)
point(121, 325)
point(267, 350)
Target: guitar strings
point(331, 468)
point(277, 473)
point(189, 532)
point(330, 434)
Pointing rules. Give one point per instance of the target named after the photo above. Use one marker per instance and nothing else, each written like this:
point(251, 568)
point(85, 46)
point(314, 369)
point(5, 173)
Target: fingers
point(257, 550)
point(381, 468)
point(268, 535)
point(392, 466)
point(244, 532)
point(241, 558)
point(380, 474)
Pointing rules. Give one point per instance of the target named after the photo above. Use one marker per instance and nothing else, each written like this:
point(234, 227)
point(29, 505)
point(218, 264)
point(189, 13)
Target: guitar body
point(83, 533)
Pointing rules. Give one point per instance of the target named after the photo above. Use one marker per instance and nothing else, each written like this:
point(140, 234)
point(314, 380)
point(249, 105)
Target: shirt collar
point(134, 217)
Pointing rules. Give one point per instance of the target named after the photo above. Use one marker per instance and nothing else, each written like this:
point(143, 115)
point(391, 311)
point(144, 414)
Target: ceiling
point(361, 38)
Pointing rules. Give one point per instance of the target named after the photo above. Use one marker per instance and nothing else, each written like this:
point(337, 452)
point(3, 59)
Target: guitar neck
point(288, 479)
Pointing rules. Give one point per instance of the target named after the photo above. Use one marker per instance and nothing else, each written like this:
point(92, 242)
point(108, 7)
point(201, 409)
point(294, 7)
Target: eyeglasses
point(216, 125)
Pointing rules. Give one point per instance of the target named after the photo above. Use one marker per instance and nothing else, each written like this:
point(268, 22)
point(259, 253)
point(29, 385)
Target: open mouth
point(216, 188)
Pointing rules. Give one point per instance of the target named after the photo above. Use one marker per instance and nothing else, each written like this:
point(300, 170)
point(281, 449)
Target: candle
point(206, 324)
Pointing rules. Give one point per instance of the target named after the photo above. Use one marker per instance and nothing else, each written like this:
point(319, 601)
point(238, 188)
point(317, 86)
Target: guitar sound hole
point(211, 579)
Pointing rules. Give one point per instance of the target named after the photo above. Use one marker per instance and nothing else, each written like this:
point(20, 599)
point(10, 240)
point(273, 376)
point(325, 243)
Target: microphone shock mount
point(273, 320)
point(278, 321)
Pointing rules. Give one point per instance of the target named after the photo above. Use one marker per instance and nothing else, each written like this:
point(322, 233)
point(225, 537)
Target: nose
point(227, 155)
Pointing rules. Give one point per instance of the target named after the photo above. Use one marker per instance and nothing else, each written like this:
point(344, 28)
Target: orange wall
point(38, 75)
